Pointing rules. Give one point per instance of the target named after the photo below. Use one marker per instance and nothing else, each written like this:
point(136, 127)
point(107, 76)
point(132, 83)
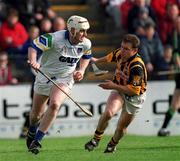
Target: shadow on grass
point(154, 148)
point(120, 148)
point(13, 151)
point(151, 148)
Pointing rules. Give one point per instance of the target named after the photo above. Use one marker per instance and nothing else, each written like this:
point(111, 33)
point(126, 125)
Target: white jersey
point(59, 57)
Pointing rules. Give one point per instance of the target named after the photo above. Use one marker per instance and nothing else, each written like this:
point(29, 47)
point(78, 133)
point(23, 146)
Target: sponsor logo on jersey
point(70, 60)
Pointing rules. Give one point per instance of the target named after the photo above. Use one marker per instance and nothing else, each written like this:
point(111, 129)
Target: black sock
point(113, 142)
point(168, 117)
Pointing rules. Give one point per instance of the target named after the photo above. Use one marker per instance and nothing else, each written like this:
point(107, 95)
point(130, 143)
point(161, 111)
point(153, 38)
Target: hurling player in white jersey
point(61, 52)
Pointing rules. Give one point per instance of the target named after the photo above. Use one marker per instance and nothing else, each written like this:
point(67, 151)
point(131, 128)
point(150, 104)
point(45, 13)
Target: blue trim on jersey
point(42, 40)
point(39, 51)
point(66, 35)
point(86, 56)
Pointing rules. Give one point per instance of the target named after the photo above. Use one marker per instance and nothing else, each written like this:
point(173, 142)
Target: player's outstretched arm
point(99, 60)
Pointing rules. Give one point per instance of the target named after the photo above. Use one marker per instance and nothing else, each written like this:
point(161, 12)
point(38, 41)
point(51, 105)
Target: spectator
point(5, 71)
point(125, 7)
point(151, 48)
point(166, 24)
point(59, 24)
point(160, 7)
point(112, 10)
point(134, 12)
point(12, 3)
point(3, 11)
point(33, 11)
point(166, 63)
point(140, 22)
point(12, 32)
point(45, 26)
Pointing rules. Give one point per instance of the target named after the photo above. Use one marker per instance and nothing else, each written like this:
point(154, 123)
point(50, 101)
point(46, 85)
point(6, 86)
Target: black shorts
point(177, 80)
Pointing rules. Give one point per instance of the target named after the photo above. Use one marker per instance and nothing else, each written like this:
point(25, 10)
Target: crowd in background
point(20, 22)
point(155, 22)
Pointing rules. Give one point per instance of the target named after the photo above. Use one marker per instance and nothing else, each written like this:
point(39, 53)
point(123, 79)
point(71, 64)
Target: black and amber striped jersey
point(131, 73)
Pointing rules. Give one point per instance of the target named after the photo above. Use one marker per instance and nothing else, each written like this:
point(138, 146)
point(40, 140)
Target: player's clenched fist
point(78, 75)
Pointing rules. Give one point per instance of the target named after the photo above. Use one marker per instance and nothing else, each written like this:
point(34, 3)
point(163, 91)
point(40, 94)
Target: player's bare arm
point(99, 60)
point(79, 74)
point(32, 58)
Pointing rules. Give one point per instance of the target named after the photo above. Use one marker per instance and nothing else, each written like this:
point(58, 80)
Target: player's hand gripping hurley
point(86, 111)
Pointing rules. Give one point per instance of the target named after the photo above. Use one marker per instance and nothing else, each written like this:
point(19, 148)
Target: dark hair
point(13, 12)
point(133, 39)
point(168, 46)
point(149, 24)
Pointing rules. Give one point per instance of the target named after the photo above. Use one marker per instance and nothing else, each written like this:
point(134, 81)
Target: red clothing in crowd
point(159, 7)
point(125, 7)
point(166, 25)
point(18, 34)
point(5, 76)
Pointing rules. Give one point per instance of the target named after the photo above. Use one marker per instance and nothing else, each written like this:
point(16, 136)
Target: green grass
point(131, 148)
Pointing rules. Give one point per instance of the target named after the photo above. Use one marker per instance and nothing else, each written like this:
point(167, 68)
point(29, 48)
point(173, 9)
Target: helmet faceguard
point(78, 23)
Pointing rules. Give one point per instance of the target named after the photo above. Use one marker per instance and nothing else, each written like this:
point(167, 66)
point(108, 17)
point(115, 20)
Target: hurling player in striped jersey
point(128, 91)
point(60, 52)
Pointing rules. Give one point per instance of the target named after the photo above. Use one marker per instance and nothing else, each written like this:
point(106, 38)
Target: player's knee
point(109, 114)
point(54, 107)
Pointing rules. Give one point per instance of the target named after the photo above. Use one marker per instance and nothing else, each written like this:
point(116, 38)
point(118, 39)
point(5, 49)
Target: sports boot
point(163, 132)
point(110, 148)
point(91, 145)
point(35, 146)
point(29, 138)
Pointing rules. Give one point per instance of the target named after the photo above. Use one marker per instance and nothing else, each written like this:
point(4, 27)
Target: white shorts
point(43, 86)
point(133, 104)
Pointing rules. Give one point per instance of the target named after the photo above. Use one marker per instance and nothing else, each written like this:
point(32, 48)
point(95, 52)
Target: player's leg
point(56, 98)
point(38, 108)
point(175, 105)
point(123, 122)
point(132, 105)
point(114, 104)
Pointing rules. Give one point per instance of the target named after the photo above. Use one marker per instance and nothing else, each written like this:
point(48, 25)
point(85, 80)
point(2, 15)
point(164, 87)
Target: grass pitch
point(131, 148)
